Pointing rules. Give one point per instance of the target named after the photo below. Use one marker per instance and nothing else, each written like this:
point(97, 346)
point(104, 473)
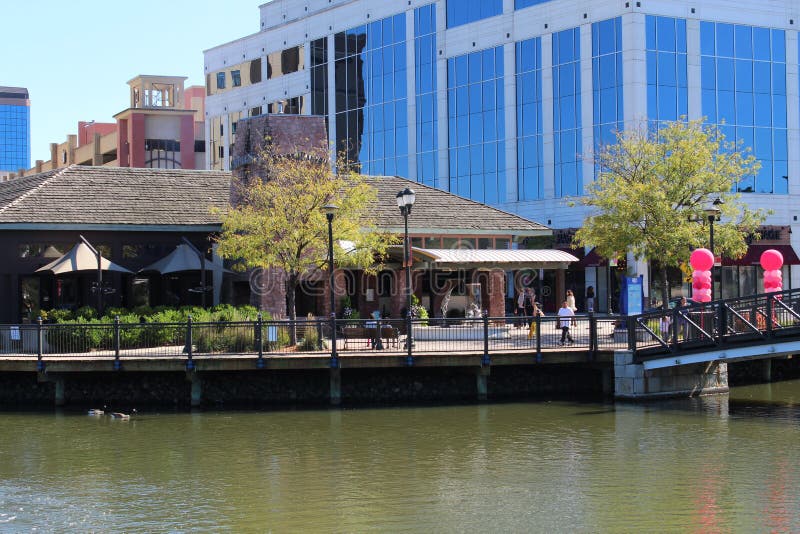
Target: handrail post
point(593, 344)
point(538, 320)
point(722, 322)
point(334, 355)
point(485, 360)
point(117, 363)
point(260, 341)
point(674, 324)
point(189, 342)
point(409, 340)
point(631, 322)
point(769, 315)
point(39, 343)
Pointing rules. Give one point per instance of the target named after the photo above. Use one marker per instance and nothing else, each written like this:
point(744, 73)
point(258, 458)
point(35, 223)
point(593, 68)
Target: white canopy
point(80, 258)
point(182, 258)
point(490, 258)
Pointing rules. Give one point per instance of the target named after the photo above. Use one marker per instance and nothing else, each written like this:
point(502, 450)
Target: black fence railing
point(190, 340)
point(699, 326)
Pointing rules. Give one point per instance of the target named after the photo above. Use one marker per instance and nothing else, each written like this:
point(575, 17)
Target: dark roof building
point(136, 216)
point(122, 198)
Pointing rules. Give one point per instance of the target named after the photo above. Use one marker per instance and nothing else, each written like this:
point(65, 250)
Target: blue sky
point(75, 57)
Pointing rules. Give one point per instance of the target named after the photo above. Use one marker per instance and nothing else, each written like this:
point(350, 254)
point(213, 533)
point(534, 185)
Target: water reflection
point(710, 464)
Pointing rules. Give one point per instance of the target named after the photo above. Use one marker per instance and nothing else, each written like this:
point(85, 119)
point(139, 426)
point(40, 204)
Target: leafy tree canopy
point(652, 190)
point(279, 221)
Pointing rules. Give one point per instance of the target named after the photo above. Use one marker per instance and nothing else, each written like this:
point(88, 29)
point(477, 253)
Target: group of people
point(527, 309)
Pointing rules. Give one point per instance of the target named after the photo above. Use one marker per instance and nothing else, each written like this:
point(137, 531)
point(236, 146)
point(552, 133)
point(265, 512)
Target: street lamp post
point(330, 211)
point(405, 200)
point(712, 213)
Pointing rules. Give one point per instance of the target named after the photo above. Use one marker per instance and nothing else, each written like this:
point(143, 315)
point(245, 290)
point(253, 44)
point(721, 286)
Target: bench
point(367, 335)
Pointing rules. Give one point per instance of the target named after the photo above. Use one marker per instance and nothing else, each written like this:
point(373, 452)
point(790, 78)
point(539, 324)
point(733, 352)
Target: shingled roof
point(121, 196)
point(437, 211)
point(115, 196)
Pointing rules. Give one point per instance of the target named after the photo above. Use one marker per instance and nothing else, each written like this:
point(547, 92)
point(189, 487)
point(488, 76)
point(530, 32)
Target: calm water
point(717, 464)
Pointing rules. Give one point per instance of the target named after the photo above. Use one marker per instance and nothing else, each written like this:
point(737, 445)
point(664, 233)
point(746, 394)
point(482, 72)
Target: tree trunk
point(664, 288)
point(291, 286)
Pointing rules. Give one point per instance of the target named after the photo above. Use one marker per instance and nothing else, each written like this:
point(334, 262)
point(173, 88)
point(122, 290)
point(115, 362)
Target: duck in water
point(120, 415)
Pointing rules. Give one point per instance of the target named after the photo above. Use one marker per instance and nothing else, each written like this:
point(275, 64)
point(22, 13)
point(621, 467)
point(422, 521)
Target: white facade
point(289, 23)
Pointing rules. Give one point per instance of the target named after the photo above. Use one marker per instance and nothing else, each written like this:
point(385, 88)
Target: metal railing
point(190, 340)
point(700, 326)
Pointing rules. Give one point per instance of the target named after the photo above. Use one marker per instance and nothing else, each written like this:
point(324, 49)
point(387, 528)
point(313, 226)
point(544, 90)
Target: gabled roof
point(127, 198)
point(439, 212)
point(78, 196)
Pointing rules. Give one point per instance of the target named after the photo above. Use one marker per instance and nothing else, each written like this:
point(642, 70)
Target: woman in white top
point(571, 301)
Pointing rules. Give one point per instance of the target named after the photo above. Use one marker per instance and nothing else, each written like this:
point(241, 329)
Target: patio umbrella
point(182, 258)
point(186, 257)
point(81, 258)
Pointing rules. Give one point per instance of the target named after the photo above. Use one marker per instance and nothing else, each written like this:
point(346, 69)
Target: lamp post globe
point(712, 213)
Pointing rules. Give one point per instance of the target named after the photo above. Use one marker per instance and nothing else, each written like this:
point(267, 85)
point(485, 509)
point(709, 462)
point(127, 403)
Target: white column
point(509, 110)
point(443, 180)
point(548, 157)
point(587, 106)
point(793, 134)
point(307, 70)
point(634, 79)
point(411, 95)
point(695, 102)
point(209, 145)
point(332, 98)
point(634, 71)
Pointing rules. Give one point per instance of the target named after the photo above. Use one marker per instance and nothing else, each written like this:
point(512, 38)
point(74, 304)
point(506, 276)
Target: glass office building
point(506, 102)
point(15, 129)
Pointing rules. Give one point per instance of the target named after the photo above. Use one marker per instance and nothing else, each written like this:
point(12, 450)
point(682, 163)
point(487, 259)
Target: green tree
point(278, 219)
point(652, 190)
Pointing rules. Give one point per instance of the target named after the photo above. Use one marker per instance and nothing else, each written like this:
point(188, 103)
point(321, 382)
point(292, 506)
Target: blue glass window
point(425, 82)
point(477, 132)
point(530, 167)
point(667, 93)
point(743, 79)
point(567, 113)
point(607, 79)
point(15, 137)
point(465, 11)
point(520, 4)
point(371, 100)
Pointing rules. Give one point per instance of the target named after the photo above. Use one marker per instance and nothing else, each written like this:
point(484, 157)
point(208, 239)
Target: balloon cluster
point(772, 261)
point(701, 260)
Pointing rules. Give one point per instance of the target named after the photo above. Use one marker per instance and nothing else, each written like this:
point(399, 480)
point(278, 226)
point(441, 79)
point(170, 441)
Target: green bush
point(310, 341)
point(86, 312)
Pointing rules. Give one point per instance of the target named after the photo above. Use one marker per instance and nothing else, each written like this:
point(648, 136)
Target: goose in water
point(123, 416)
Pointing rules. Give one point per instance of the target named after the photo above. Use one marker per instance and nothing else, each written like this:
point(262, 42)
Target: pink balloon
point(702, 295)
point(771, 259)
point(703, 277)
point(774, 274)
point(700, 284)
point(702, 259)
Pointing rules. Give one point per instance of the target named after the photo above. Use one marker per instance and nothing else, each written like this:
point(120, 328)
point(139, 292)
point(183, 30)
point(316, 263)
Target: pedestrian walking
point(590, 299)
point(519, 311)
point(530, 301)
point(537, 312)
point(566, 318)
point(683, 322)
